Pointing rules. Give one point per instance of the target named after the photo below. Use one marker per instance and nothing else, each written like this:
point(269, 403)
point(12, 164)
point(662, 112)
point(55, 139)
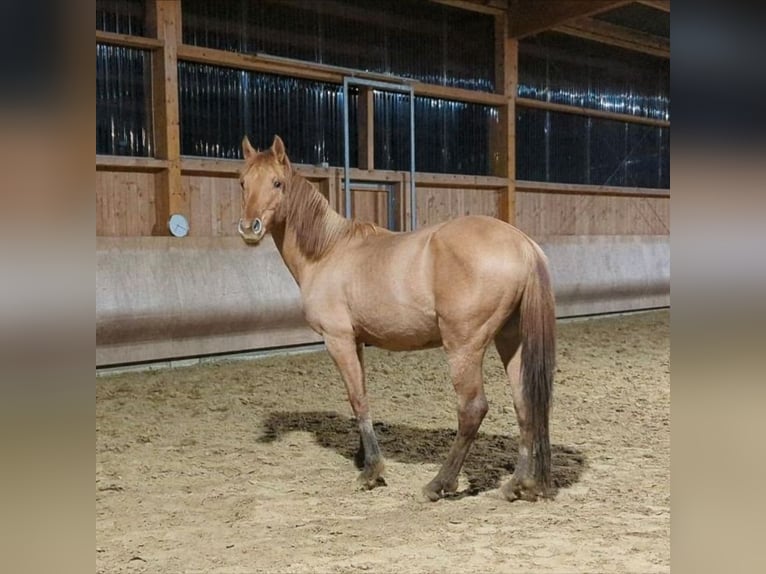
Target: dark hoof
point(436, 490)
point(371, 476)
point(524, 489)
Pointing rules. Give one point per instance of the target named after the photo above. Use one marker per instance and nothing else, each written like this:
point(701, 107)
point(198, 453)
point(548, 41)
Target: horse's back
point(396, 289)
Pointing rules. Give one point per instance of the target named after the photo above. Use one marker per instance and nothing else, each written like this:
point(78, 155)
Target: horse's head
point(263, 181)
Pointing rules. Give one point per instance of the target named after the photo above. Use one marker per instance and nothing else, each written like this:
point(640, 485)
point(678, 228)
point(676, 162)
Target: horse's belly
point(399, 330)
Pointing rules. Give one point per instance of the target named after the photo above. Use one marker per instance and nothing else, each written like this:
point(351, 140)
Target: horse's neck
point(309, 229)
point(288, 249)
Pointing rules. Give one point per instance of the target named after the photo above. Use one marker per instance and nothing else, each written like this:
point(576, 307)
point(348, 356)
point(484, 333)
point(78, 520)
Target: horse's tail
point(538, 355)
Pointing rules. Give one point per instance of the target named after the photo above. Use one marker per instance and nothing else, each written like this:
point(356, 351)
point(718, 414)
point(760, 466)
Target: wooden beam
point(503, 136)
point(663, 5)
point(530, 103)
point(129, 163)
point(578, 189)
point(325, 73)
point(164, 21)
point(614, 35)
point(231, 167)
point(458, 94)
point(461, 181)
point(366, 128)
point(127, 41)
point(533, 16)
point(494, 7)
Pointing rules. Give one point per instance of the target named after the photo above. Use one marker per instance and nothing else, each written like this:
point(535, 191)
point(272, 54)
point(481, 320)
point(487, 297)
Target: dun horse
point(461, 284)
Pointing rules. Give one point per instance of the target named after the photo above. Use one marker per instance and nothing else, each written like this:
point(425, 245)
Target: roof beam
point(663, 5)
point(494, 7)
point(532, 16)
point(608, 33)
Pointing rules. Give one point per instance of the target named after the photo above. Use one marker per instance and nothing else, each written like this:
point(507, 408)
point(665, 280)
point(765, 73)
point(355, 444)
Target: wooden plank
point(436, 205)
point(366, 128)
point(613, 35)
point(548, 214)
point(503, 140)
point(460, 181)
point(567, 109)
point(371, 205)
point(230, 168)
point(663, 5)
point(124, 204)
point(259, 63)
point(210, 166)
point(129, 163)
point(579, 189)
point(214, 205)
point(164, 21)
point(532, 16)
point(457, 94)
point(127, 41)
point(493, 7)
point(325, 73)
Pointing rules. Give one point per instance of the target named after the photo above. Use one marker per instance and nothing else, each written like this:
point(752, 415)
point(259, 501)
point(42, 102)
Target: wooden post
point(164, 21)
point(503, 143)
point(366, 123)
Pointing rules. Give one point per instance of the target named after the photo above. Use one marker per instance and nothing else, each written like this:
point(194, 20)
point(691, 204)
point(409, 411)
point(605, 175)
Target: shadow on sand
point(490, 461)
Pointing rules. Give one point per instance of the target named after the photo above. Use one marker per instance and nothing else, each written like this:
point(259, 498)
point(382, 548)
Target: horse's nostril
point(257, 225)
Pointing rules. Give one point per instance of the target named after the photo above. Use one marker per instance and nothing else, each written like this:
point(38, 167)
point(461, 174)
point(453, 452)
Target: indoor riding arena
point(226, 439)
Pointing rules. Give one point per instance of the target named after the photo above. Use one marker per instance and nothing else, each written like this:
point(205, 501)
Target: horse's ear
point(278, 147)
point(247, 149)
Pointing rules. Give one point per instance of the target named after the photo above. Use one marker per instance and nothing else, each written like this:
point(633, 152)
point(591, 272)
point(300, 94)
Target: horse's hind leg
point(347, 355)
point(465, 367)
point(522, 483)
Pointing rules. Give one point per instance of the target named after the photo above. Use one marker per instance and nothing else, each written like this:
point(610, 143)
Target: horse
point(460, 284)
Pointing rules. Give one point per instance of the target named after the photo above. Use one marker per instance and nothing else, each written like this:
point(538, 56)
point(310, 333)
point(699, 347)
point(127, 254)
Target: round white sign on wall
point(178, 225)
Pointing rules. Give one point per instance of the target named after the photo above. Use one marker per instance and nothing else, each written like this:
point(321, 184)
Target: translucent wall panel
point(569, 148)
point(427, 41)
point(450, 137)
point(123, 101)
point(121, 16)
point(567, 70)
point(219, 105)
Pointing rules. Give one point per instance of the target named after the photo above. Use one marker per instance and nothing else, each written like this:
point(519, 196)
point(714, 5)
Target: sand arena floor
point(247, 466)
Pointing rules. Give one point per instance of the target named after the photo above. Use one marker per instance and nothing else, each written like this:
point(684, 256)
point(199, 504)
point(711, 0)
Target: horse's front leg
point(347, 354)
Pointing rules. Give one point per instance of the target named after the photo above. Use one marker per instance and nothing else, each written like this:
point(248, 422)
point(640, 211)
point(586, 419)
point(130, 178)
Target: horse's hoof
point(525, 489)
point(432, 492)
point(371, 476)
point(435, 490)
point(370, 483)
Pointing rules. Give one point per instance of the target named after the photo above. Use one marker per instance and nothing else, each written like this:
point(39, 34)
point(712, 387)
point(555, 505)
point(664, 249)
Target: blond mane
point(317, 226)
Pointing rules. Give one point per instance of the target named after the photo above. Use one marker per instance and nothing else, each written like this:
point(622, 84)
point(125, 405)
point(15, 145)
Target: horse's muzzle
point(252, 233)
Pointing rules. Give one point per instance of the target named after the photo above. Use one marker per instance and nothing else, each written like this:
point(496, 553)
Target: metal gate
point(386, 87)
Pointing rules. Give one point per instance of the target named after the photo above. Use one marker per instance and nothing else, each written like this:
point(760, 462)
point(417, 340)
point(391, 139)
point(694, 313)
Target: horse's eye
point(277, 183)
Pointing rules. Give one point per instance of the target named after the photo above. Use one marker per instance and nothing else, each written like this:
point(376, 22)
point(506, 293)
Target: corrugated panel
point(568, 148)
point(219, 105)
point(450, 137)
point(123, 101)
point(121, 16)
point(410, 38)
point(567, 70)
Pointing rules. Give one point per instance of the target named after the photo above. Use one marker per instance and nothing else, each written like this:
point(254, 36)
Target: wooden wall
point(441, 204)
point(125, 206)
point(545, 214)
